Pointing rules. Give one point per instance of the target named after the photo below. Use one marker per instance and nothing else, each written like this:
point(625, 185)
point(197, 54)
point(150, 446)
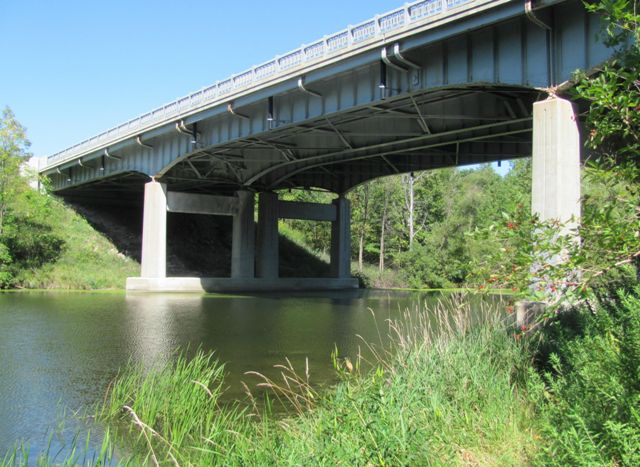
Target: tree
point(360, 218)
point(384, 221)
point(26, 240)
point(13, 153)
point(613, 90)
point(613, 124)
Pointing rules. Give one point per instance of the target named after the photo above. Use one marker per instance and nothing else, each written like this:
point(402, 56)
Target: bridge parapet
point(352, 39)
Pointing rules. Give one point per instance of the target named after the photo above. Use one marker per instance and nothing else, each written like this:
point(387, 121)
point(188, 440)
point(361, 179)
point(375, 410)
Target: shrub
point(591, 376)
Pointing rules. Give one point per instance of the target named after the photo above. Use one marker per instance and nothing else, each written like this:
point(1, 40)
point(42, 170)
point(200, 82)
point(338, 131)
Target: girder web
point(411, 132)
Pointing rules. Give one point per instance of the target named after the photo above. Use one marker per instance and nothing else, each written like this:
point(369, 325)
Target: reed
point(441, 387)
point(77, 452)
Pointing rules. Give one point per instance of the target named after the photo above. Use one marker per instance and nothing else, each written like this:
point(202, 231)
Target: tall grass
point(446, 390)
point(77, 453)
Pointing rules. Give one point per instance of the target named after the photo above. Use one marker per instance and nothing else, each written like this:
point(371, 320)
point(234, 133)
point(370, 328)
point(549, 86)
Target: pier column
point(341, 239)
point(244, 237)
point(556, 161)
point(555, 190)
point(154, 231)
point(268, 249)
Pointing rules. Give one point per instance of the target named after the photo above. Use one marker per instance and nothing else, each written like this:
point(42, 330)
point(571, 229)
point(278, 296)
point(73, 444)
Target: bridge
point(434, 83)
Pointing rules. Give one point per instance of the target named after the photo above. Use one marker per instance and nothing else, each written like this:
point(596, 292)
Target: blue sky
point(71, 69)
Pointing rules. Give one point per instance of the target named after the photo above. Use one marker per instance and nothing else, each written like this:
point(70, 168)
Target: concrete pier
point(268, 248)
point(341, 239)
point(556, 162)
point(556, 181)
point(244, 238)
point(254, 262)
point(154, 231)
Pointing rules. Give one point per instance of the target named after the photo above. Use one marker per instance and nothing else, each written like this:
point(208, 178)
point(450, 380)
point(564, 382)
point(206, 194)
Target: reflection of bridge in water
point(436, 83)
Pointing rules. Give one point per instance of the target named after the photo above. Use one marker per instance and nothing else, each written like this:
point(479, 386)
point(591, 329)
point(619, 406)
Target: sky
point(72, 69)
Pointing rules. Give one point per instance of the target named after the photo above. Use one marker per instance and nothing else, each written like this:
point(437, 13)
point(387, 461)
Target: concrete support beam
point(556, 161)
point(556, 177)
point(306, 211)
point(154, 231)
point(191, 203)
point(244, 238)
point(268, 248)
point(341, 239)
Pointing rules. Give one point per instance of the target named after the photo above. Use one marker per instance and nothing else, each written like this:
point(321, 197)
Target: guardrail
point(416, 12)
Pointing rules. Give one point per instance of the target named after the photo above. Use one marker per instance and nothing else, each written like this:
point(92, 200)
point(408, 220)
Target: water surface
point(59, 351)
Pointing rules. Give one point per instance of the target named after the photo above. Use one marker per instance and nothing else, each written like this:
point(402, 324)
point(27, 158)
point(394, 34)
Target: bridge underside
point(421, 131)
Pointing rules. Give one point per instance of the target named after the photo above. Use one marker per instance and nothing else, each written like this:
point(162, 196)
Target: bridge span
point(434, 83)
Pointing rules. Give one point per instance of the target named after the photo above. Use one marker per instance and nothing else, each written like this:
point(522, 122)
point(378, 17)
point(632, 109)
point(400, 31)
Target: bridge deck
point(435, 83)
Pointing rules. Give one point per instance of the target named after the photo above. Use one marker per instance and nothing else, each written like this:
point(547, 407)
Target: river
point(59, 351)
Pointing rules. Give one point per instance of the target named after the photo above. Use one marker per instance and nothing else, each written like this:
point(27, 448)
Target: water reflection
point(153, 325)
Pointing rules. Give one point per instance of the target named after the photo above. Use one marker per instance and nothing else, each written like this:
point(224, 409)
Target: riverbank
point(419, 399)
point(450, 387)
point(441, 393)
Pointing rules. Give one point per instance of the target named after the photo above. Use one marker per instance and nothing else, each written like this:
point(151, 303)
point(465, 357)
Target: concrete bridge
point(434, 83)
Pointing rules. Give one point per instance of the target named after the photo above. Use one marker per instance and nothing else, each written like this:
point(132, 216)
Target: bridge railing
point(418, 12)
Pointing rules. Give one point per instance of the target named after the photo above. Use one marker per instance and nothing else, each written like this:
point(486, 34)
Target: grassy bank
point(445, 395)
point(83, 258)
point(466, 391)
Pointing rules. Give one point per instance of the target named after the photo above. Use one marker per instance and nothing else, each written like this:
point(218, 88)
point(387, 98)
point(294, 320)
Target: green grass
point(88, 260)
point(589, 389)
point(447, 394)
point(452, 388)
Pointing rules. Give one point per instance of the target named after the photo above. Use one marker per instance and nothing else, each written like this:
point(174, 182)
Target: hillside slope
point(197, 245)
point(86, 259)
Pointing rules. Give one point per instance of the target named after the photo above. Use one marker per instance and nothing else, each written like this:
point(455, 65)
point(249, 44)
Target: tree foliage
point(613, 89)
point(416, 225)
point(25, 241)
point(13, 154)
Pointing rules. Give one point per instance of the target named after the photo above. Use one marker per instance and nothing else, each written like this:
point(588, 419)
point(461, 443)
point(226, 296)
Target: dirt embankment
point(197, 245)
